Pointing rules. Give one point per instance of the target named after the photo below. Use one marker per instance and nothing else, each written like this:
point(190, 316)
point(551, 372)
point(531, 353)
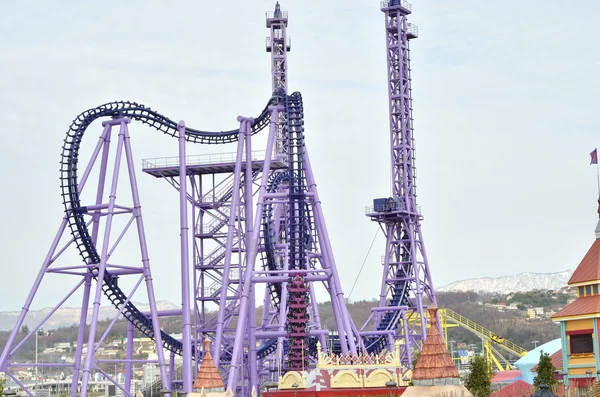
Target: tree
point(478, 381)
point(545, 371)
point(2, 381)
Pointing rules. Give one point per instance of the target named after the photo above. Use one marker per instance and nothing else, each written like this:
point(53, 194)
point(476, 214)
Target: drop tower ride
point(406, 285)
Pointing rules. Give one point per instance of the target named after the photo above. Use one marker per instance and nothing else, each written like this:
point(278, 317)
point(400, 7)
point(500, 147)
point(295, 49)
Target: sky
point(504, 97)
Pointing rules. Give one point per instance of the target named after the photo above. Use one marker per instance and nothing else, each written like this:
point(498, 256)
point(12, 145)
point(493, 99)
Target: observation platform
point(404, 5)
point(207, 164)
point(388, 210)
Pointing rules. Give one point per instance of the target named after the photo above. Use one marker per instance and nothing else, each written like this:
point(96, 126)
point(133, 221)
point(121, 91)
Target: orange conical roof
point(208, 374)
point(589, 267)
point(435, 361)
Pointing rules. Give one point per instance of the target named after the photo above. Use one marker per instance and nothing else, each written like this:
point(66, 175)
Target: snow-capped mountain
point(67, 316)
point(517, 283)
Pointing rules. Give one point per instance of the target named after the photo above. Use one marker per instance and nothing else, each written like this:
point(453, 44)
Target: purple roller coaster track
point(257, 225)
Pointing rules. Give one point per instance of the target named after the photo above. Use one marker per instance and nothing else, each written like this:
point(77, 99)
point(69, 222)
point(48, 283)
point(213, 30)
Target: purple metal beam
point(246, 131)
point(345, 329)
point(186, 323)
point(81, 333)
point(102, 267)
point(235, 200)
point(252, 250)
point(13, 335)
point(137, 211)
point(129, 357)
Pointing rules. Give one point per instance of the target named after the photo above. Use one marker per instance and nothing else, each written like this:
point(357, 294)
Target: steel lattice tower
point(406, 284)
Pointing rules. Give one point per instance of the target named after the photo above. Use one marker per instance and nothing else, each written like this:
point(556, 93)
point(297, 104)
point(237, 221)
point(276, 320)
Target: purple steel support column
point(282, 310)
point(104, 138)
point(95, 228)
point(418, 290)
point(13, 335)
point(137, 213)
point(195, 365)
point(427, 278)
point(251, 253)
point(316, 316)
point(229, 245)
point(389, 230)
point(407, 354)
point(172, 368)
point(252, 362)
point(81, 334)
point(345, 329)
point(267, 308)
point(129, 357)
point(102, 265)
point(186, 322)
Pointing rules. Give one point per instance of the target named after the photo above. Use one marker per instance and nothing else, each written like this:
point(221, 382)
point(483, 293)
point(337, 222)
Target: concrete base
point(437, 391)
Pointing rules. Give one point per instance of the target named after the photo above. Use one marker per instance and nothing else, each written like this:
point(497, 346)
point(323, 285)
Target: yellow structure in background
point(450, 319)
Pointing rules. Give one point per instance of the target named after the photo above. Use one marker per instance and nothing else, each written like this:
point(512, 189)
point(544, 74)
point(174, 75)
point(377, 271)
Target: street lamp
point(535, 343)
point(389, 384)
point(164, 391)
point(473, 346)
point(270, 385)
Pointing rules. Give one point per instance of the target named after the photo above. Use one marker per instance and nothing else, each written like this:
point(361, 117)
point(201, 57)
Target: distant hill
point(510, 324)
point(521, 282)
point(68, 316)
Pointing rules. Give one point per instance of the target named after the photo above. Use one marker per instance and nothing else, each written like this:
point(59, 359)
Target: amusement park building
point(579, 322)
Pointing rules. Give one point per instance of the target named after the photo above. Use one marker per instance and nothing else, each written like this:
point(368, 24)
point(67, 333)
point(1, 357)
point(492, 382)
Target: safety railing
point(369, 209)
point(478, 329)
point(412, 30)
point(403, 3)
point(212, 289)
point(201, 159)
point(213, 257)
point(288, 43)
point(271, 15)
point(219, 193)
point(215, 224)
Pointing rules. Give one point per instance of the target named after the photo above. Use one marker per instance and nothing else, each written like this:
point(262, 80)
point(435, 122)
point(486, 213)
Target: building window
point(595, 289)
point(583, 343)
point(588, 290)
point(580, 291)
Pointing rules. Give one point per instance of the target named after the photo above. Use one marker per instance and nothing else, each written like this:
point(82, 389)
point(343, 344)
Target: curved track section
point(71, 197)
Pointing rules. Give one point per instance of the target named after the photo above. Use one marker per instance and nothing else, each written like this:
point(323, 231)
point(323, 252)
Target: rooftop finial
point(432, 315)
point(277, 13)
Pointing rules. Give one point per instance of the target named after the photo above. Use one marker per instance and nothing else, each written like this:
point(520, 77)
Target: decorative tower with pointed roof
point(435, 366)
point(208, 375)
point(580, 320)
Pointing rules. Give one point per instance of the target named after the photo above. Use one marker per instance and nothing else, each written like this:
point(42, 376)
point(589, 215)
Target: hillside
point(521, 282)
point(67, 316)
point(511, 325)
